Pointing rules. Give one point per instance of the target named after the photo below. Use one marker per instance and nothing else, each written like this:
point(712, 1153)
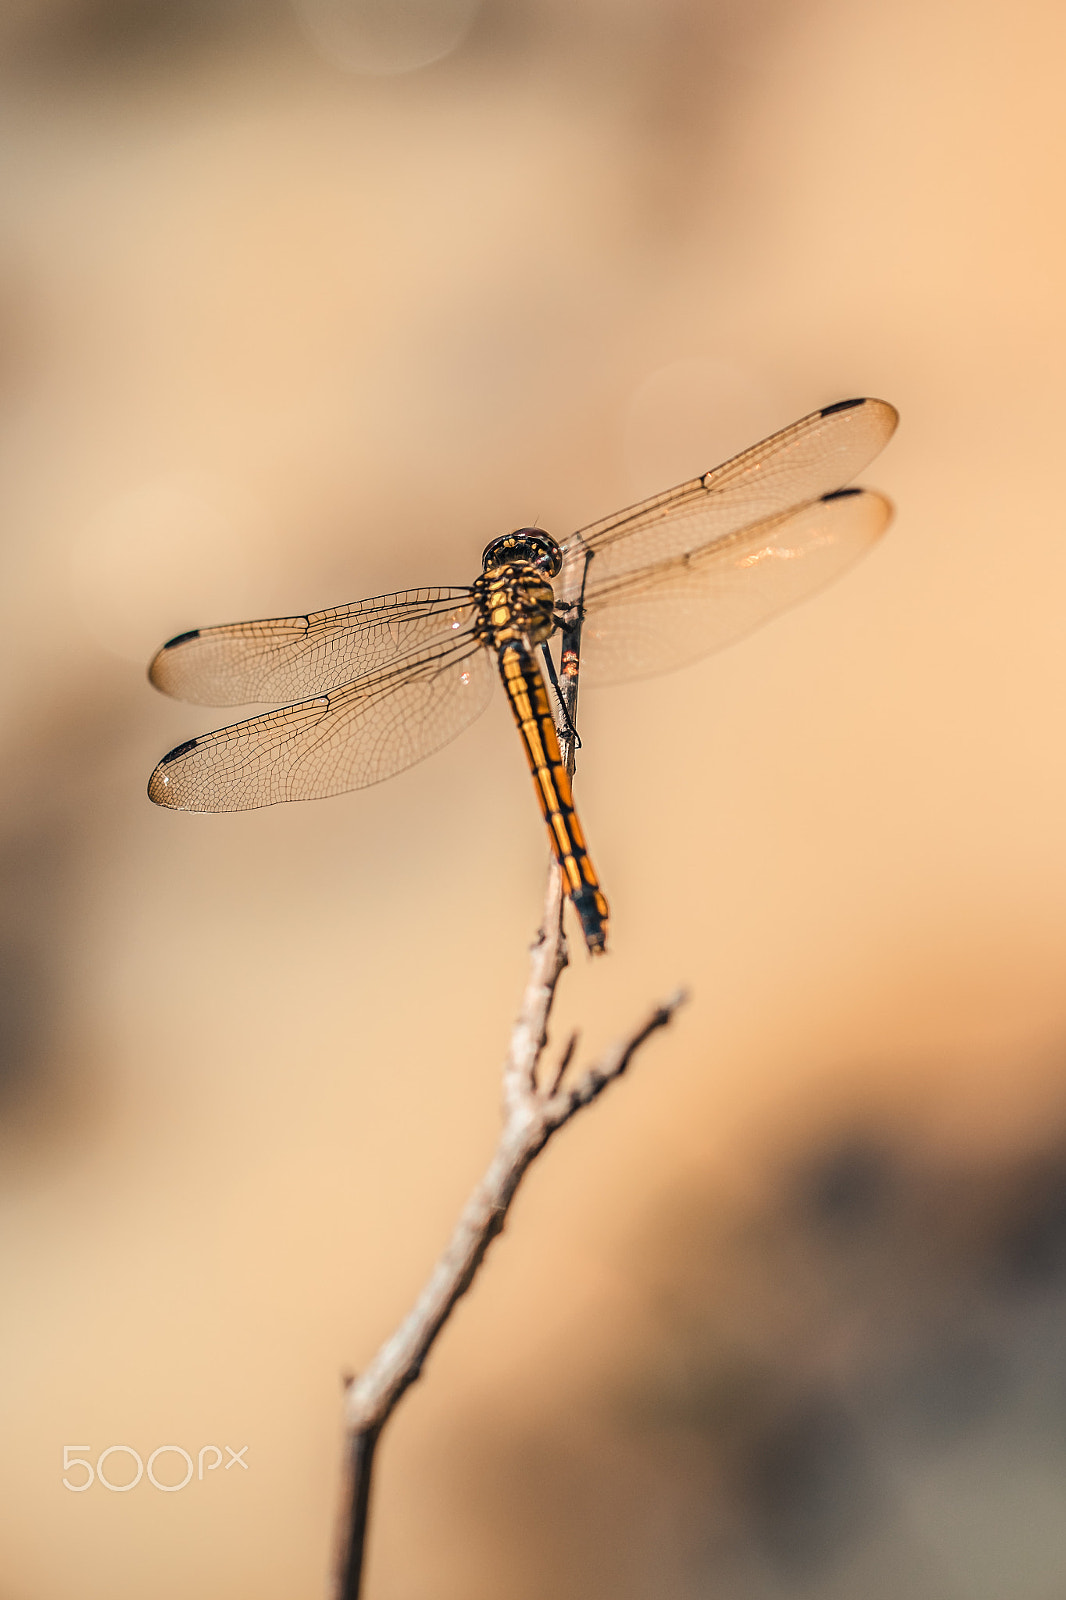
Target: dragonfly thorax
point(531, 546)
point(517, 605)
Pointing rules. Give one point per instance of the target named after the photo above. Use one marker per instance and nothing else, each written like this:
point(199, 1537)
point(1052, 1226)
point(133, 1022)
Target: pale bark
point(536, 1104)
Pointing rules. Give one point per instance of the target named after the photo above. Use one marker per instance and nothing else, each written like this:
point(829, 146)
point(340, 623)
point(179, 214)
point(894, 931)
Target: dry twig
point(531, 1114)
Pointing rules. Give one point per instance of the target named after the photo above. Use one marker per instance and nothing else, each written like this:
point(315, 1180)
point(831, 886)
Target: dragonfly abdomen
point(528, 698)
point(517, 606)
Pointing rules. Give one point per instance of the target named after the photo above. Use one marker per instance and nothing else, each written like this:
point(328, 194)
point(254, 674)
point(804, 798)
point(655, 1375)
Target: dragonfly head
point(528, 545)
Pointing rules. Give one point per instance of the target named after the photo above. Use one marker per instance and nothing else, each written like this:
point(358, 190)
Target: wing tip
point(891, 415)
point(157, 789)
point(159, 783)
point(181, 638)
point(877, 505)
point(158, 665)
point(838, 405)
point(179, 750)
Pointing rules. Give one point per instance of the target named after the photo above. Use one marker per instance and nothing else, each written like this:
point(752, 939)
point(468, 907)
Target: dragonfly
point(364, 691)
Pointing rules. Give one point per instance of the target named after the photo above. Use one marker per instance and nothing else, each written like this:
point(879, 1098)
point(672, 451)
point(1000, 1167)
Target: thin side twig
point(531, 1115)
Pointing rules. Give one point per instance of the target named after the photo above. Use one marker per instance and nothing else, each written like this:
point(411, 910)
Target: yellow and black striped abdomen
point(528, 696)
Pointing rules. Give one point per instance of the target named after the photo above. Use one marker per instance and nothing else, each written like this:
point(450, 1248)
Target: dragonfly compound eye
point(529, 545)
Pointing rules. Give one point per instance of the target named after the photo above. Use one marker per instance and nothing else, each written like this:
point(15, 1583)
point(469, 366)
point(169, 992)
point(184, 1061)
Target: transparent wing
point(289, 657)
point(663, 616)
point(815, 455)
point(347, 739)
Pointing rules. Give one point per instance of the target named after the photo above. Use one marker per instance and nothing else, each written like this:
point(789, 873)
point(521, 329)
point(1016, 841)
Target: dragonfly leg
point(560, 698)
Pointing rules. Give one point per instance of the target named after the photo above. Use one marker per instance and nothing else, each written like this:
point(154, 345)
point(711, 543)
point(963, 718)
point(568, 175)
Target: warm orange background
point(277, 332)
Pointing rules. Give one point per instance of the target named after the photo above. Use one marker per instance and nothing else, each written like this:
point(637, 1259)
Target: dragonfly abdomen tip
point(591, 908)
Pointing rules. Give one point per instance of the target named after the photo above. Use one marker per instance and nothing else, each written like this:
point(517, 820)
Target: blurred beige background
point(304, 302)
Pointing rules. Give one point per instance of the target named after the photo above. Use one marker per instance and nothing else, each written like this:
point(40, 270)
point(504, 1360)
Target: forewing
point(668, 614)
point(347, 739)
point(819, 453)
point(286, 658)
